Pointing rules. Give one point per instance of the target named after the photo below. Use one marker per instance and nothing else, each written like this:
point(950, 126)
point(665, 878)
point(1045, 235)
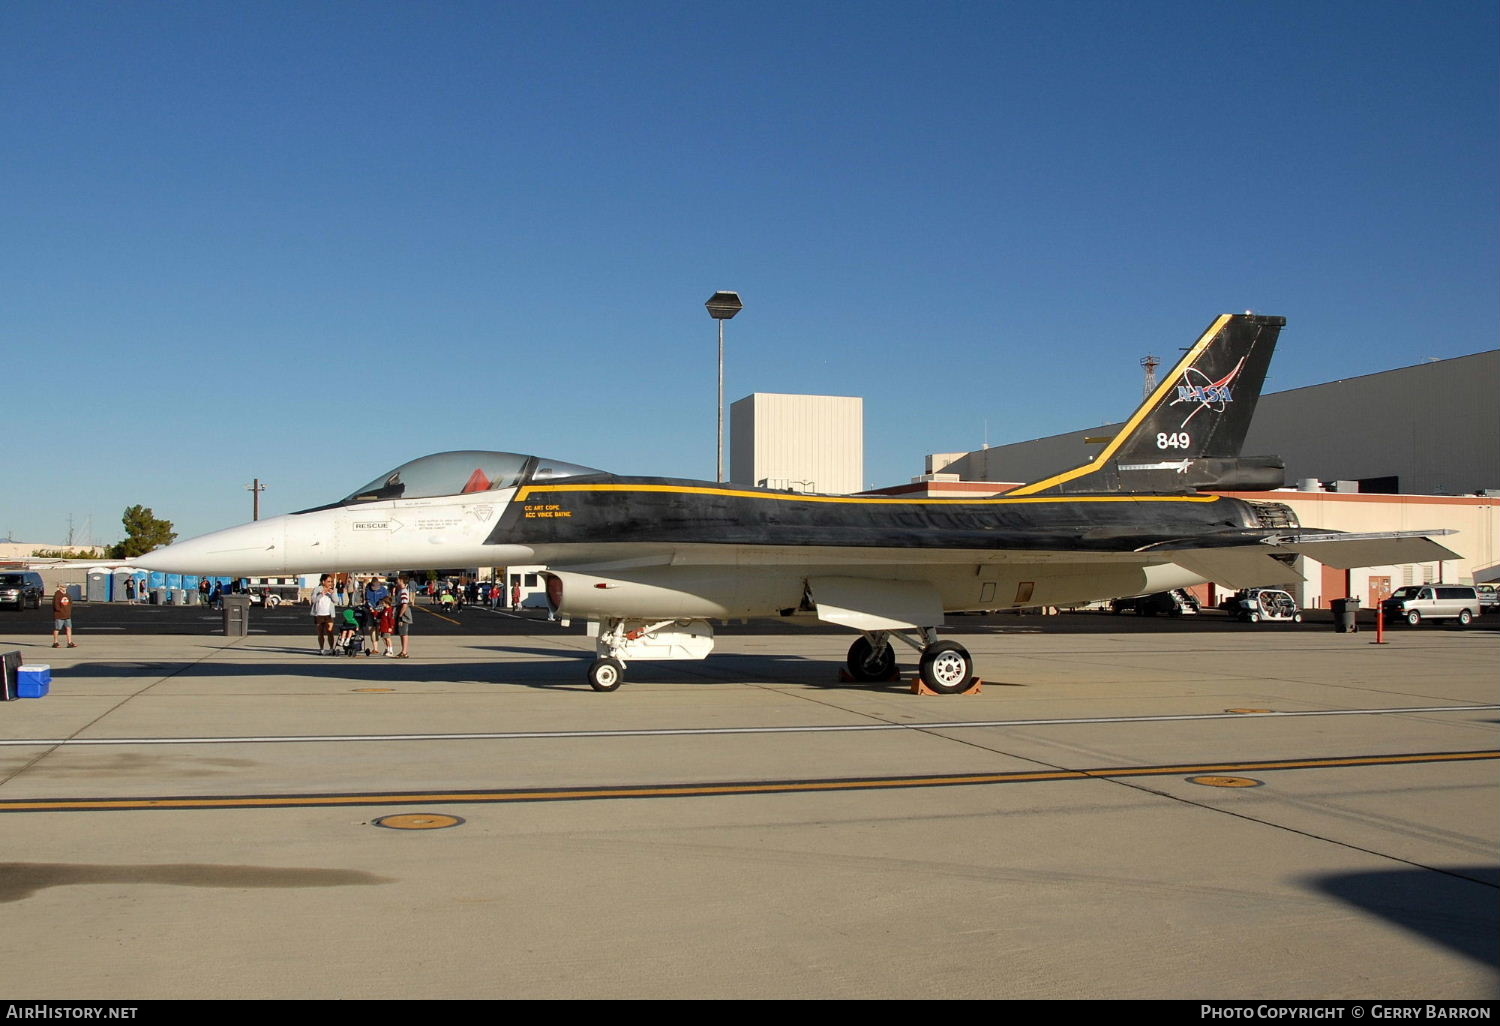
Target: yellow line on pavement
point(481, 797)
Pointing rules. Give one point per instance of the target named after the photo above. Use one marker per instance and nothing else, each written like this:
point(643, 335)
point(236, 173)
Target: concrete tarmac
point(190, 816)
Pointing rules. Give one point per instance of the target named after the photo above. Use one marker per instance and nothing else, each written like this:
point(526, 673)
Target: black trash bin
point(236, 616)
point(1344, 610)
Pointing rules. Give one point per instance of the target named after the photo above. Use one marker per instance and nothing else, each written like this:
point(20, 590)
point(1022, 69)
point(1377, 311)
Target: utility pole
point(257, 488)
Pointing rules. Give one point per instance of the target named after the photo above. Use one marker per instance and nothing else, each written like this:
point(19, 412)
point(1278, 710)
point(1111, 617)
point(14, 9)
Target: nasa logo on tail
point(1205, 394)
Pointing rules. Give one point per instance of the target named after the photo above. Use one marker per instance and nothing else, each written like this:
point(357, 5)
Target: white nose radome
point(252, 550)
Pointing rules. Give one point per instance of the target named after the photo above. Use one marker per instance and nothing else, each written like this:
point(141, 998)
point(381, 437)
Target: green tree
point(143, 532)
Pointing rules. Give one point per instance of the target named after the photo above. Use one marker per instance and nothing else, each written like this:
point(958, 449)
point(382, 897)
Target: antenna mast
point(1150, 363)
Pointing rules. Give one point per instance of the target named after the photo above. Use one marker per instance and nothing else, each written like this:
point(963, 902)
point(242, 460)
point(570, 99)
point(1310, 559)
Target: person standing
point(515, 595)
point(387, 614)
point(322, 614)
point(375, 602)
point(62, 616)
point(404, 615)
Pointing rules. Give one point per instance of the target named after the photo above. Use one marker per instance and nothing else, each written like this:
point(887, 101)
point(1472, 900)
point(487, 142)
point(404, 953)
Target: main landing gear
point(945, 666)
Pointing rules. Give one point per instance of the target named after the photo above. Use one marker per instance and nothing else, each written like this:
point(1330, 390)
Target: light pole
point(721, 307)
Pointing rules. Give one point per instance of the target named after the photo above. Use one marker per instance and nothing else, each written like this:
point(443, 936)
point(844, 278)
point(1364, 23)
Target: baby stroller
point(353, 644)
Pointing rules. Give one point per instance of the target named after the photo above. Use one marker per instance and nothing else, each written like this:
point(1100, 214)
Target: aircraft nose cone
point(248, 550)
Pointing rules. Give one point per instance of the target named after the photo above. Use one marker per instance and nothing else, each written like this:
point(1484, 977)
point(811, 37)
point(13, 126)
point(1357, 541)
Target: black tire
point(946, 668)
point(1464, 617)
point(1414, 618)
point(866, 665)
point(1296, 618)
point(606, 675)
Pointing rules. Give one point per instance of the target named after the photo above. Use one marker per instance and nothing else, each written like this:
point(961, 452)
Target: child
point(387, 621)
point(348, 628)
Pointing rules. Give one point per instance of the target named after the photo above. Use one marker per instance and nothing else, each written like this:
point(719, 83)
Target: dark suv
point(20, 589)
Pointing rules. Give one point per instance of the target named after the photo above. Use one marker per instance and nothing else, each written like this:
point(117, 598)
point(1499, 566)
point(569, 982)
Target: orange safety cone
point(919, 687)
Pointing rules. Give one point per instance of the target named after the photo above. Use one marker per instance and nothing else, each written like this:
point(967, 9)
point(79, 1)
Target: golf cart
point(1254, 605)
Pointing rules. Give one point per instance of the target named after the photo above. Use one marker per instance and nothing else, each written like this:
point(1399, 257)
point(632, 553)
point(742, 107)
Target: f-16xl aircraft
point(651, 561)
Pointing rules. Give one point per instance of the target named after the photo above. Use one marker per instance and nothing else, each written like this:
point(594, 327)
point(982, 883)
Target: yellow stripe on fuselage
point(1141, 414)
point(529, 490)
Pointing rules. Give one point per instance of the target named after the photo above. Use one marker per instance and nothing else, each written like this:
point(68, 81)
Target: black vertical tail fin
point(1188, 432)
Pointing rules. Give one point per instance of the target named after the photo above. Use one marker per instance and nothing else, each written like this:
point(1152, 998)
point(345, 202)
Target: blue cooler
point(33, 681)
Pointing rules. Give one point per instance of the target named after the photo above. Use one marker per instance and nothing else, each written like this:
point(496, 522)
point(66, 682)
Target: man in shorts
point(62, 616)
point(322, 614)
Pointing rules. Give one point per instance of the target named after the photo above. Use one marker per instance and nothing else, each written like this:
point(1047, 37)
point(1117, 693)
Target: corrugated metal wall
point(809, 443)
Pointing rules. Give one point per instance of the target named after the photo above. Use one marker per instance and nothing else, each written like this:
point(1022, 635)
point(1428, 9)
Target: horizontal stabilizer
point(1386, 548)
point(873, 605)
point(1255, 565)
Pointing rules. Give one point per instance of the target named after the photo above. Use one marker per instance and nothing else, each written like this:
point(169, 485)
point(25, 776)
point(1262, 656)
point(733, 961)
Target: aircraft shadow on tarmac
point(1454, 907)
point(20, 880)
point(551, 669)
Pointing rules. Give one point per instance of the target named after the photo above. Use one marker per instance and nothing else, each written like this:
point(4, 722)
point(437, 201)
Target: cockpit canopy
point(462, 473)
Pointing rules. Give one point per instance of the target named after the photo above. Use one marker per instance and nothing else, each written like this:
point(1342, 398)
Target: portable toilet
point(98, 586)
point(117, 585)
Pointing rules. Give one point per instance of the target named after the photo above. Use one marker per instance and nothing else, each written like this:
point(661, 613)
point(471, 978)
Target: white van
point(1417, 602)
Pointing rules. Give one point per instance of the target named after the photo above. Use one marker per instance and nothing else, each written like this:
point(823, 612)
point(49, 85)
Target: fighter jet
point(649, 562)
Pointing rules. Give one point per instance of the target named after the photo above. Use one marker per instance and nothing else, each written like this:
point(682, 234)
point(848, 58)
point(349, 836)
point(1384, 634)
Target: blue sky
point(309, 241)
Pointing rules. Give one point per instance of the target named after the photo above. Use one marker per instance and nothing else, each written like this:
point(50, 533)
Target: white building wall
point(812, 443)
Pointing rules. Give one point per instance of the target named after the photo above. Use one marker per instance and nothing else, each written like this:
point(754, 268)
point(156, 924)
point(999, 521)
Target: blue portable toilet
point(97, 587)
